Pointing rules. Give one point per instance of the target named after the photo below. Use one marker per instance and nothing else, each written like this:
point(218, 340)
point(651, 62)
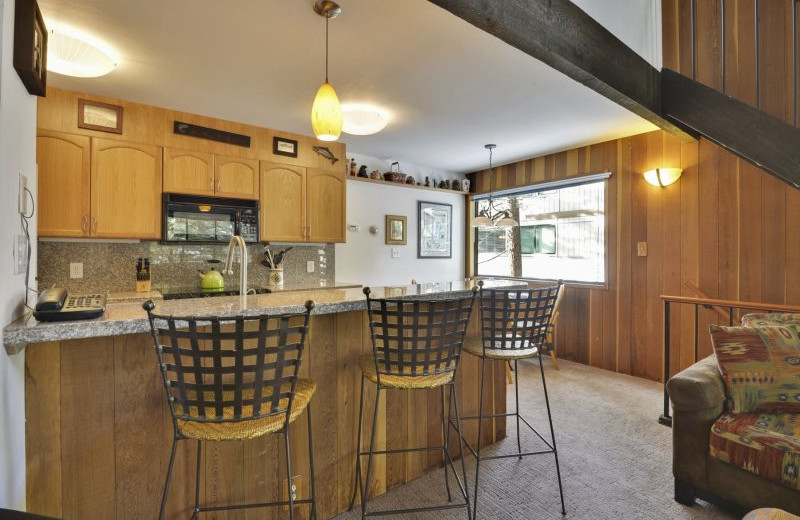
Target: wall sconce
point(661, 177)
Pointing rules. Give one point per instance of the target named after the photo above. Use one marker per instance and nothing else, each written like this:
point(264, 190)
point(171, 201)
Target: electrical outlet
point(22, 205)
point(20, 254)
point(297, 485)
point(310, 266)
point(395, 253)
point(76, 270)
point(641, 249)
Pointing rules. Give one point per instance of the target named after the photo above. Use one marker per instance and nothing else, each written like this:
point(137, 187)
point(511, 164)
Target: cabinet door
point(236, 177)
point(325, 206)
point(126, 190)
point(63, 205)
point(188, 172)
point(283, 197)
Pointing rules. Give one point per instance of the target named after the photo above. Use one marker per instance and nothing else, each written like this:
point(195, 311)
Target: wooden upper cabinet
point(326, 202)
point(64, 165)
point(126, 190)
point(236, 177)
point(283, 195)
point(188, 172)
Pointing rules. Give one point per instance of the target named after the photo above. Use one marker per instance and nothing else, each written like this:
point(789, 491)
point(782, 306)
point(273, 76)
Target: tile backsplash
point(111, 266)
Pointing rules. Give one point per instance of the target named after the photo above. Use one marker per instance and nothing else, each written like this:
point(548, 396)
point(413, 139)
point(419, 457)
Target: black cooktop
point(180, 293)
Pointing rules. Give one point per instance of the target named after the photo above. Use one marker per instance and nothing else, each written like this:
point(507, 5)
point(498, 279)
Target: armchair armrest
point(699, 387)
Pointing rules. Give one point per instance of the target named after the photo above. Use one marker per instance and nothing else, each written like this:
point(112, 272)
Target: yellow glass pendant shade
point(326, 114)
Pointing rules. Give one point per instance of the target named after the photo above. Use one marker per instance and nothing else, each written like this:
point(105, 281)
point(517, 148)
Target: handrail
point(756, 306)
point(725, 316)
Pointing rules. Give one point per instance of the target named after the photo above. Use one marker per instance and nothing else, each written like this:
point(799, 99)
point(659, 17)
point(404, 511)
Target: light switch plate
point(310, 266)
point(20, 254)
point(75, 270)
point(395, 253)
point(641, 249)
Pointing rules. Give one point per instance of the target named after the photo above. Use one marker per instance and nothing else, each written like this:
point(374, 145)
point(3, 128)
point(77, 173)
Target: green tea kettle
point(211, 279)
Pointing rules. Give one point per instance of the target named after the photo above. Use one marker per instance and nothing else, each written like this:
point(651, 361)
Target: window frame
point(535, 188)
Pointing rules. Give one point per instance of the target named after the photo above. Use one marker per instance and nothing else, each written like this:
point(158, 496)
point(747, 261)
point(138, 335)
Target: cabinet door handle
point(94, 224)
point(211, 183)
point(219, 184)
point(85, 224)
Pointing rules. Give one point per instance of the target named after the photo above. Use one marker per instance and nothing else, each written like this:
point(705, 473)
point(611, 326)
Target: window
point(561, 233)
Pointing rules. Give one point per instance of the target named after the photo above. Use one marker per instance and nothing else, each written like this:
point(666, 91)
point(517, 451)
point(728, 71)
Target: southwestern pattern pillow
point(760, 366)
point(771, 319)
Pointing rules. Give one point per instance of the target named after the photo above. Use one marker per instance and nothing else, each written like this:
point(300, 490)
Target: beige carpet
point(615, 457)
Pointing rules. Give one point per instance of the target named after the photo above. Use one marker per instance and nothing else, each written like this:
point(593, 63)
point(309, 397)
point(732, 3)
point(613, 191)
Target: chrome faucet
point(237, 240)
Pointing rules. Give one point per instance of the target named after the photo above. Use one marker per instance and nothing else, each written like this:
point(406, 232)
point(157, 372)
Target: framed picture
point(94, 115)
point(435, 236)
point(30, 46)
point(396, 230)
point(283, 146)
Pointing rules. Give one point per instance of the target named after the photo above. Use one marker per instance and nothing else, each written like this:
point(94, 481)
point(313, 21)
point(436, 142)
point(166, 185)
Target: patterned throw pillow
point(771, 319)
point(760, 366)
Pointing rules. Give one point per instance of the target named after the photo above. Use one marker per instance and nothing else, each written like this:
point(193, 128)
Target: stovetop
point(180, 293)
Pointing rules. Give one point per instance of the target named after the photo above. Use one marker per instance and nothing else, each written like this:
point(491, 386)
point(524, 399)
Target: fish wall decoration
point(326, 153)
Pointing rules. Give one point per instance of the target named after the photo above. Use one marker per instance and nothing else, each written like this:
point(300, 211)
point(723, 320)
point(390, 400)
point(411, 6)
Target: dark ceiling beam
point(560, 34)
point(755, 136)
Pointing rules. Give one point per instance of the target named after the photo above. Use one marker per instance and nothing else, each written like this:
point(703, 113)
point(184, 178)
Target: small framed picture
point(30, 46)
point(94, 115)
point(396, 230)
point(283, 146)
point(435, 236)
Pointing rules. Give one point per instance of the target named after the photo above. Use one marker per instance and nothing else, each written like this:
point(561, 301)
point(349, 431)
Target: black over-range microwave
point(208, 220)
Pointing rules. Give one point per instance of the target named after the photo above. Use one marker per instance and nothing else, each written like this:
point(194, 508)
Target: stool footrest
point(250, 506)
point(403, 450)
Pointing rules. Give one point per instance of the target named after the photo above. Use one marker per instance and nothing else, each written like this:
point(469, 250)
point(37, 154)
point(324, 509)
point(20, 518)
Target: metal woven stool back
point(417, 337)
point(229, 369)
point(517, 319)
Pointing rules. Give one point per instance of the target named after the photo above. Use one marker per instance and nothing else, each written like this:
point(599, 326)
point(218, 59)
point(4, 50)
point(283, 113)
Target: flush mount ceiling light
point(74, 53)
point(363, 119)
point(661, 177)
point(326, 112)
point(491, 216)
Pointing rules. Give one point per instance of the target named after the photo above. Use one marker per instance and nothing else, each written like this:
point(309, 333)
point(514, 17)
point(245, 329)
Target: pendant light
point(491, 216)
point(326, 112)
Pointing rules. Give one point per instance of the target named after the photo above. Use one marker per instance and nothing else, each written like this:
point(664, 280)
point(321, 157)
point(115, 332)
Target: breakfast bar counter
point(98, 429)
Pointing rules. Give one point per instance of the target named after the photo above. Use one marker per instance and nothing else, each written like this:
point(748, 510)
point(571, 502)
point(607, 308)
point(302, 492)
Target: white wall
point(367, 260)
point(17, 154)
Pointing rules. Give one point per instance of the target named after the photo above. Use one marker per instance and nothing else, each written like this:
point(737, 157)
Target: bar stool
point(514, 325)
point(233, 378)
point(416, 344)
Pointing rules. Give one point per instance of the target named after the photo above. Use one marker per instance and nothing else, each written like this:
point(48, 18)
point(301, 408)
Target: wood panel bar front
point(98, 430)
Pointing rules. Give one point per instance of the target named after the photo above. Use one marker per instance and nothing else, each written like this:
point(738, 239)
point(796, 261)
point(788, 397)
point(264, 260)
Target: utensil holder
point(275, 278)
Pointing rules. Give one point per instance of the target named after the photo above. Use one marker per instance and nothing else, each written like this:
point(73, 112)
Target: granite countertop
point(130, 318)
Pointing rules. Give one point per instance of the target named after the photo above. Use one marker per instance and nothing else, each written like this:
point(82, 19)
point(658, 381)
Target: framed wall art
point(30, 46)
point(94, 115)
point(396, 230)
point(435, 234)
point(283, 146)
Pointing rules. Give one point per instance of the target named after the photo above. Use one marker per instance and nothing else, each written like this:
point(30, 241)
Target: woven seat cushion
point(247, 428)
point(367, 365)
point(765, 444)
point(475, 347)
point(760, 367)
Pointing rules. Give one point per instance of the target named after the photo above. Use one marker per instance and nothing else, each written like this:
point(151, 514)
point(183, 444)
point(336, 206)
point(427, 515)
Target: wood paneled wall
point(758, 65)
point(154, 125)
point(725, 226)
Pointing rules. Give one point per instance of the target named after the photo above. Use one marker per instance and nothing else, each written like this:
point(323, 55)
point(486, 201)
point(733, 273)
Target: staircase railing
point(725, 308)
